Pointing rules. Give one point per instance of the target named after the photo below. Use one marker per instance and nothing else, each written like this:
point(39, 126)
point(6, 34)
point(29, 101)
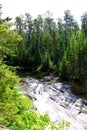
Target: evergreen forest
point(49, 46)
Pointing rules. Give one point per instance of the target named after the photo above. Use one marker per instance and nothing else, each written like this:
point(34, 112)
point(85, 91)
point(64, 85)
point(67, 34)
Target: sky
point(13, 8)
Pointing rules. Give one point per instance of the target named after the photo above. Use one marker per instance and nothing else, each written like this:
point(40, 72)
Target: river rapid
point(55, 98)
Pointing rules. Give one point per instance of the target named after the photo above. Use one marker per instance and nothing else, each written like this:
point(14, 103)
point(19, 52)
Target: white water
point(55, 98)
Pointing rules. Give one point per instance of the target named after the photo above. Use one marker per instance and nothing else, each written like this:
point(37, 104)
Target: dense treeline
point(46, 45)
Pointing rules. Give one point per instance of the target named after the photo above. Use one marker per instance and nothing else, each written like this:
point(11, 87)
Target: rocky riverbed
point(55, 98)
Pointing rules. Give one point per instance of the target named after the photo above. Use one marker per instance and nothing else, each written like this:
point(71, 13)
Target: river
point(55, 98)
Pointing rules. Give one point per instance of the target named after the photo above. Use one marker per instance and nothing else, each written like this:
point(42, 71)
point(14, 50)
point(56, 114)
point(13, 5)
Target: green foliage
point(84, 24)
point(64, 67)
point(63, 125)
point(10, 100)
point(30, 121)
point(8, 41)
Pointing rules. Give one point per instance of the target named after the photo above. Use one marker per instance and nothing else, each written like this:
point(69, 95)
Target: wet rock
point(66, 86)
point(58, 101)
point(63, 104)
point(68, 100)
point(84, 110)
point(48, 78)
point(39, 89)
